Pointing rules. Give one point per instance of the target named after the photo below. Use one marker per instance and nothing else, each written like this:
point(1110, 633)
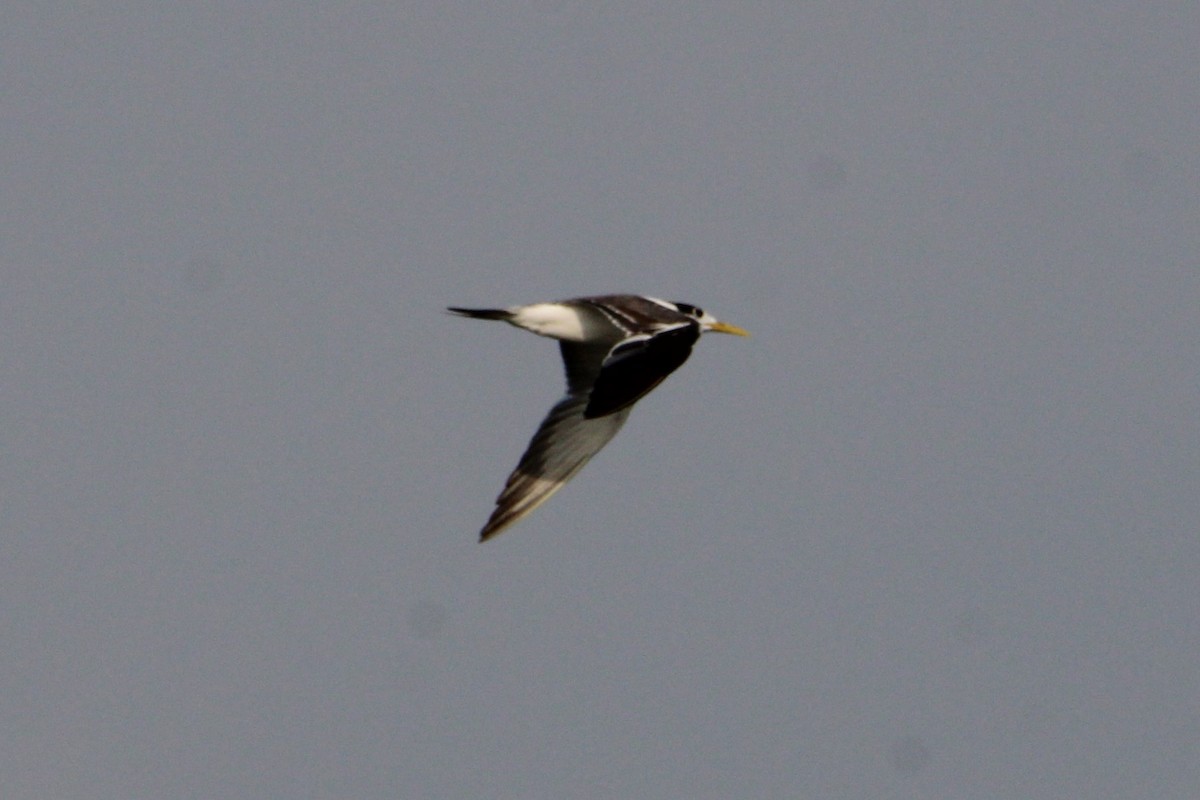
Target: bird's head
point(708, 322)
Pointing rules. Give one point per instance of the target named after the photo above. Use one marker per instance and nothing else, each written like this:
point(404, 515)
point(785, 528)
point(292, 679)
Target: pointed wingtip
point(495, 525)
point(490, 532)
point(500, 521)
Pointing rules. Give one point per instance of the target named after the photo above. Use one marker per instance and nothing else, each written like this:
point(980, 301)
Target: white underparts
point(558, 321)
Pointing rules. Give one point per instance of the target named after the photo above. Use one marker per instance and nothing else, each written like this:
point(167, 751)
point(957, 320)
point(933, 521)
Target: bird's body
point(615, 349)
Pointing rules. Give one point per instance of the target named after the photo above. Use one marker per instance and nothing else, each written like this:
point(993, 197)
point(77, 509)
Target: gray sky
point(932, 532)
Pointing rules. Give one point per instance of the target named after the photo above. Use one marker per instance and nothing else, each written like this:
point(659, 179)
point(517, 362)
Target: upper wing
point(581, 361)
point(636, 365)
point(564, 442)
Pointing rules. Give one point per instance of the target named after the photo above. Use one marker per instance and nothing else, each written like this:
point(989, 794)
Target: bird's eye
point(690, 310)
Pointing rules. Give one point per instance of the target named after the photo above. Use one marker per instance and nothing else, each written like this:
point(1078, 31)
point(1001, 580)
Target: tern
point(615, 349)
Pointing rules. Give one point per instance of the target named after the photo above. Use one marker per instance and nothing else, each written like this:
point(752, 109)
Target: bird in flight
point(615, 348)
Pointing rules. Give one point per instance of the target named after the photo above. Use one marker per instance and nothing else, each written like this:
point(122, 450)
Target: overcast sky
point(933, 532)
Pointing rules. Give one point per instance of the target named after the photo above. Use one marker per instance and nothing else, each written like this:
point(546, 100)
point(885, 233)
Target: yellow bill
point(725, 327)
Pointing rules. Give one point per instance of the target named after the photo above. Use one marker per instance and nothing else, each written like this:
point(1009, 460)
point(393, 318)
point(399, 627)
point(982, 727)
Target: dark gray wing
point(564, 442)
point(636, 365)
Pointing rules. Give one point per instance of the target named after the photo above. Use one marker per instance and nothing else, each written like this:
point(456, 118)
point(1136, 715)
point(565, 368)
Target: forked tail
point(482, 313)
